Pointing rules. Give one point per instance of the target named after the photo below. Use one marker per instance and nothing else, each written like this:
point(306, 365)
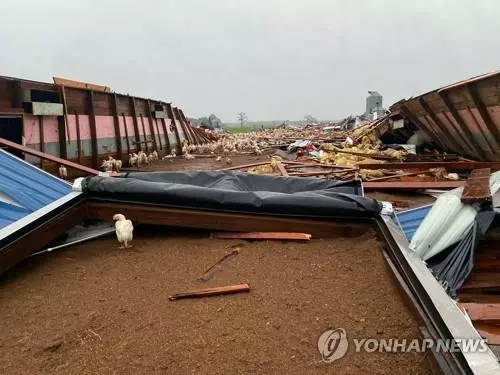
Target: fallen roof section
point(463, 117)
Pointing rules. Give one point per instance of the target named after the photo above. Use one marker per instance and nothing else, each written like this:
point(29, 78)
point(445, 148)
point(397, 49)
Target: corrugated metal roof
point(25, 189)
point(410, 220)
point(463, 117)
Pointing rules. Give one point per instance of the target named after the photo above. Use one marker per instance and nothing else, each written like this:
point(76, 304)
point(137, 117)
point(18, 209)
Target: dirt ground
point(96, 309)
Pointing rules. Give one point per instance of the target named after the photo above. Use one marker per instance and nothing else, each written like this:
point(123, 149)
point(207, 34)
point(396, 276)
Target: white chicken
point(63, 172)
point(155, 154)
point(133, 159)
point(219, 158)
point(124, 230)
point(229, 161)
point(118, 165)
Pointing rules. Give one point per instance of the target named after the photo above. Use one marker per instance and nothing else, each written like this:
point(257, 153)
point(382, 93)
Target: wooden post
point(146, 143)
point(65, 113)
point(183, 126)
point(136, 124)
point(63, 150)
point(116, 122)
point(78, 138)
point(126, 133)
point(42, 138)
point(93, 131)
point(165, 132)
point(151, 126)
point(171, 115)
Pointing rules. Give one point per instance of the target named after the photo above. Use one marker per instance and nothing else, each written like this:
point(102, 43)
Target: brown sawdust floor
point(96, 309)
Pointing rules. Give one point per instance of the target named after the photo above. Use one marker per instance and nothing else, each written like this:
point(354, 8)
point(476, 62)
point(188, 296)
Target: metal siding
point(28, 186)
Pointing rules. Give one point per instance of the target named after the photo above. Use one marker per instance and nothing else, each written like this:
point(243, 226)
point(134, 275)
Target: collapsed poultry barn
point(309, 184)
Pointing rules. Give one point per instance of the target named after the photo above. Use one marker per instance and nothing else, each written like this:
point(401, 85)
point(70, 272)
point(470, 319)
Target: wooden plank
point(413, 184)
point(282, 169)
point(80, 85)
point(468, 165)
point(93, 131)
point(244, 166)
point(78, 138)
point(116, 123)
point(45, 156)
point(477, 187)
point(217, 291)
point(278, 236)
point(489, 332)
point(486, 312)
point(398, 176)
point(148, 214)
point(210, 273)
point(146, 140)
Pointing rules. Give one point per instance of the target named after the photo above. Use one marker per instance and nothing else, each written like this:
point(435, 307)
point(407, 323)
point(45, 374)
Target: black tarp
point(452, 269)
point(236, 192)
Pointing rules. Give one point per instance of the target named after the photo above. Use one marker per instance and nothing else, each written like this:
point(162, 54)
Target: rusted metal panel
point(477, 187)
point(463, 117)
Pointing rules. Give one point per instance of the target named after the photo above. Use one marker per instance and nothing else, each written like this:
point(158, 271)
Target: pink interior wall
point(130, 126)
point(84, 127)
point(121, 124)
point(146, 126)
point(50, 129)
point(105, 126)
point(71, 123)
point(159, 123)
point(31, 130)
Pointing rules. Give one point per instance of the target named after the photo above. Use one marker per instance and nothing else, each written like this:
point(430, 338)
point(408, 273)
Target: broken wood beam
point(208, 274)
point(397, 176)
point(197, 293)
point(433, 164)
point(485, 312)
point(49, 157)
point(264, 236)
point(477, 187)
point(413, 184)
point(282, 169)
point(244, 166)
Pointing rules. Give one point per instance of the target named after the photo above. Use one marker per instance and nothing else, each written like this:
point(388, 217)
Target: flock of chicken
point(141, 158)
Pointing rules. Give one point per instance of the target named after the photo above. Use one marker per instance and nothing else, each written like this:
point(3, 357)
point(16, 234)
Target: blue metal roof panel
point(410, 220)
point(28, 186)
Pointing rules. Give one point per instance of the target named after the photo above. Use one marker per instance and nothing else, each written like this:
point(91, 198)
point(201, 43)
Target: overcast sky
point(273, 59)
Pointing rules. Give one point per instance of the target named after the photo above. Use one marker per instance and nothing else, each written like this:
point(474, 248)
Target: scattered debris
point(208, 274)
point(230, 289)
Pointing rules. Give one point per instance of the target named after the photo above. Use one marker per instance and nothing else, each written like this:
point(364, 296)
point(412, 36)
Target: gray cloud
point(273, 59)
